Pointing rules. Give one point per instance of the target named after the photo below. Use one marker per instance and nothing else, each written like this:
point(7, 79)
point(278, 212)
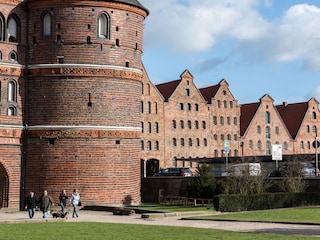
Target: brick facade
point(251, 129)
point(73, 119)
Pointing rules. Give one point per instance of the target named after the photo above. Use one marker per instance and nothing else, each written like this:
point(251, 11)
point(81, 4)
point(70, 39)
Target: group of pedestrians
point(45, 203)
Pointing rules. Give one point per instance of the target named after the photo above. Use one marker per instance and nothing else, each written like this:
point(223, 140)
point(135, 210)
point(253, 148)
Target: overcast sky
point(259, 46)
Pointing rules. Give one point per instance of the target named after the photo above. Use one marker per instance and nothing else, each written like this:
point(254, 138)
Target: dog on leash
point(59, 214)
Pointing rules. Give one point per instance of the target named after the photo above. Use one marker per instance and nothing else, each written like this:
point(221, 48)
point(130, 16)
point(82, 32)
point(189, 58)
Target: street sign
point(277, 152)
point(316, 144)
point(226, 146)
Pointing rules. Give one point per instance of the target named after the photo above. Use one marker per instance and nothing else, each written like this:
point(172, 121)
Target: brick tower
point(82, 83)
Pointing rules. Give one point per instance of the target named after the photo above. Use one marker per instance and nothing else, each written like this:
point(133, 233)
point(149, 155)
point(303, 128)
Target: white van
point(241, 169)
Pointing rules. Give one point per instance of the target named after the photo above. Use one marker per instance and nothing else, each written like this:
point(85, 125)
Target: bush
point(203, 185)
point(234, 203)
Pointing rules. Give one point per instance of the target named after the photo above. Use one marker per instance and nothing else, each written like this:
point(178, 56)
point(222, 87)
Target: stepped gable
point(247, 113)
point(167, 89)
point(293, 115)
point(209, 92)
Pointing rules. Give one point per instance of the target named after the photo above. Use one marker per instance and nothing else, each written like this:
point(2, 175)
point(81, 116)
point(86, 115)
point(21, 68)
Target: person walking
point(31, 204)
point(75, 199)
point(45, 203)
point(63, 200)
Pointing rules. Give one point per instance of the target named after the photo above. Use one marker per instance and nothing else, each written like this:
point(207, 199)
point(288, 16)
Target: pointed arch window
point(46, 24)
point(104, 26)
point(2, 28)
point(13, 29)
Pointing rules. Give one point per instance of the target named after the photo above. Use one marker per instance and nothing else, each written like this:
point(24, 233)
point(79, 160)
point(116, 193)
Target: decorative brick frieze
point(92, 134)
point(87, 72)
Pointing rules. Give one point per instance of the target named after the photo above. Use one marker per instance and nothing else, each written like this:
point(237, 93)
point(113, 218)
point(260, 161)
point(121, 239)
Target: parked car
point(241, 169)
point(175, 171)
point(294, 169)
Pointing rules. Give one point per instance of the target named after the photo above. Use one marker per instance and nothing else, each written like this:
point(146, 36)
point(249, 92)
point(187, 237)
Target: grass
point(292, 215)
point(105, 231)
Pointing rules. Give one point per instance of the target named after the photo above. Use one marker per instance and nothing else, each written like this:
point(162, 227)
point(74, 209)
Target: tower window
point(46, 25)
point(104, 26)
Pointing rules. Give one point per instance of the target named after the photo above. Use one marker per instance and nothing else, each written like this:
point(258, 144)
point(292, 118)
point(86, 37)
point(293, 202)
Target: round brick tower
point(12, 57)
point(83, 90)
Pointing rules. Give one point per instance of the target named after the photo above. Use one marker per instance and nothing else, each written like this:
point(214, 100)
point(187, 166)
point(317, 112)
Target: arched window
point(258, 129)
point(314, 115)
point(285, 146)
point(149, 127)
point(141, 107)
point(308, 129)
point(104, 26)
point(181, 124)
point(142, 127)
point(174, 142)
point(188, 106)
point(12, 91)
point(13, 29)
point(196, 107)
point(259, 145)
point(205, 142)
point(182, 142)
point(13, 56)
point(156, 127)
point(148, 107)
point(174, 124)
point(156, 145)
point(142, 145)
point(198, 142)
point(149, 145)
point(196, 124)
point(190, 142)
point(268, 148)
point(46, 25)
point(268, 132)
point(189, 124)
point(181, 106)
point(267, 117)
point(250, 144)
point(214, 120)
point(2, 28)
point(11, 111)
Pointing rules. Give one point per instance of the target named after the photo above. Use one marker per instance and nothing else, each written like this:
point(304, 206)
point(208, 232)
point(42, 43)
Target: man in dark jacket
point(45, 204)
point(31, 203)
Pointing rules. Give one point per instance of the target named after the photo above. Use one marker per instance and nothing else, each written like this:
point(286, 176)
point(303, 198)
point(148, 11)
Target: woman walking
point(75, 199)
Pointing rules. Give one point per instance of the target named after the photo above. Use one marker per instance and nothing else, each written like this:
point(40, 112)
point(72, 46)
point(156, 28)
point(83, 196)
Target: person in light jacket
point(74, 200)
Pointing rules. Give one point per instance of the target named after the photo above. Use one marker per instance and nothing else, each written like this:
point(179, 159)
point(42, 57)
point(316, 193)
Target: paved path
point(103, 216)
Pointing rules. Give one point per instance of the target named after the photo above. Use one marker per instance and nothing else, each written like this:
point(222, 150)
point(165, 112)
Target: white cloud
point(314, 93)
point(193, 26)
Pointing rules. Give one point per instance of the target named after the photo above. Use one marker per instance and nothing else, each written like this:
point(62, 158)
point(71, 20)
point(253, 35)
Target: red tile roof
point(209, 92)
point(167, 89)
point(293, 115)
point(247, 113)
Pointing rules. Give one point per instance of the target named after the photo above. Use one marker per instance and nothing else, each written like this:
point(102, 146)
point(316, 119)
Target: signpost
point(277, 153)
point(316, 144)
point(226, 151)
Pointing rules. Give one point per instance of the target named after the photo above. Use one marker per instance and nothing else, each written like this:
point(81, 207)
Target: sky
point(259, 46)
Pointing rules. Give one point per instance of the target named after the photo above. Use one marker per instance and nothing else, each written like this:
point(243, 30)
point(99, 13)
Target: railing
point(185, 201)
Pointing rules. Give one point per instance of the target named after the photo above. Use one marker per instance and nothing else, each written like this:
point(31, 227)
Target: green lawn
point(105, 231)
point(304, 215)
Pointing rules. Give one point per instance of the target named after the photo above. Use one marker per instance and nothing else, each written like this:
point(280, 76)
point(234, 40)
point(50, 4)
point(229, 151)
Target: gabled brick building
point(201, 124)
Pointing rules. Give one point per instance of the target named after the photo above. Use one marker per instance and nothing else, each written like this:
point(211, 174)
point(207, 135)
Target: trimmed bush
point(235, 203)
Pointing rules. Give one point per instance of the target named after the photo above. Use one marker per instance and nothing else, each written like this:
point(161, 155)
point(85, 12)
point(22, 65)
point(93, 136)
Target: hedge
point(235, 203)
